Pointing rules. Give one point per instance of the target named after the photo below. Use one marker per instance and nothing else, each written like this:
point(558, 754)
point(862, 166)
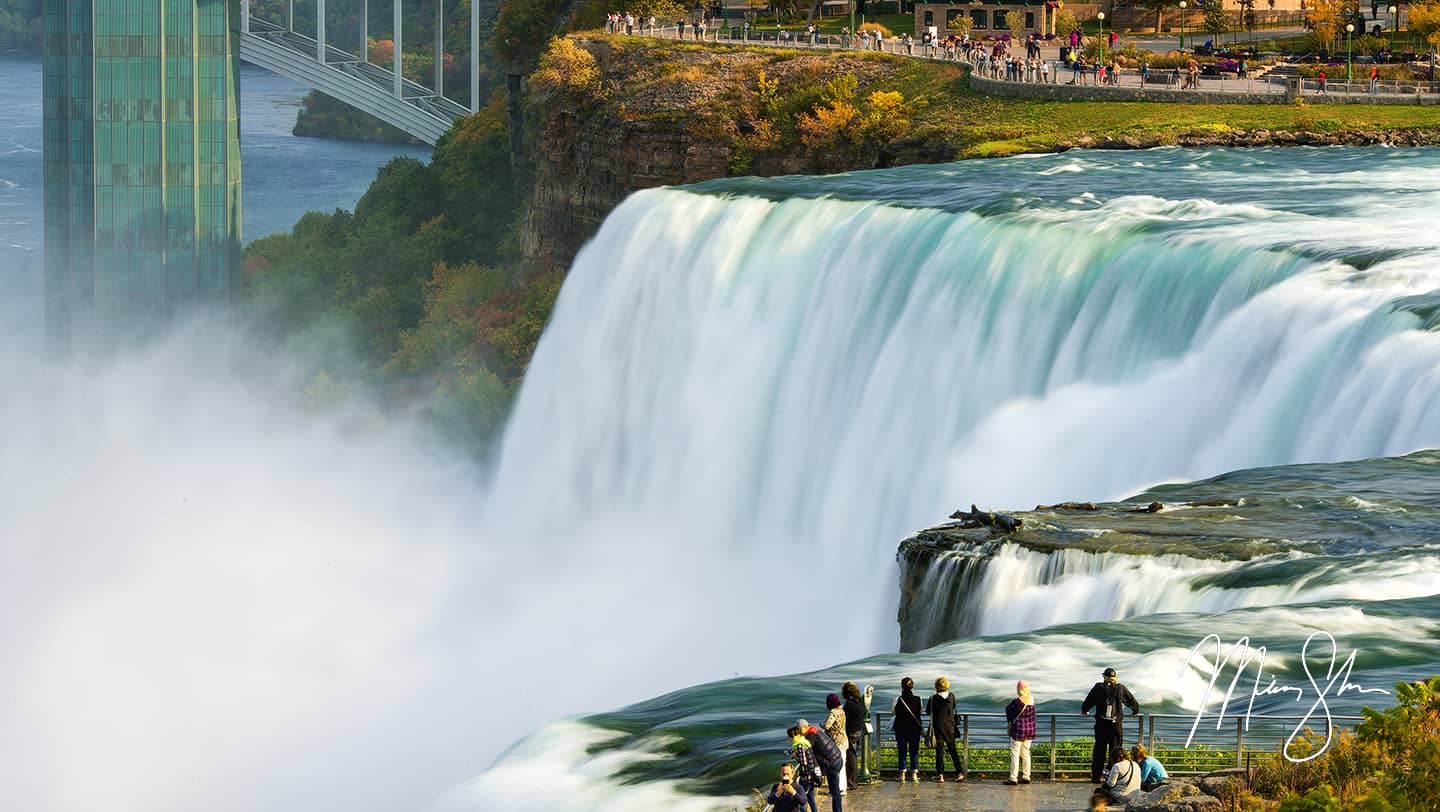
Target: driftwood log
point(1003, 522)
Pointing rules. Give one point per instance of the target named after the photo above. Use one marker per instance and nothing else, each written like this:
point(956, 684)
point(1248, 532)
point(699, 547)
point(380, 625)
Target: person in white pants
point(1020, 721)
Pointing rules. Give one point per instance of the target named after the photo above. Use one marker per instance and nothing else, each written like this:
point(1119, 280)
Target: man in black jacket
point(1107, 698)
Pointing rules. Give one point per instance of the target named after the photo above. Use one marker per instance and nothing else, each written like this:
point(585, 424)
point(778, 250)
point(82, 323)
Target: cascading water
point(781, 382)
point(749, 392)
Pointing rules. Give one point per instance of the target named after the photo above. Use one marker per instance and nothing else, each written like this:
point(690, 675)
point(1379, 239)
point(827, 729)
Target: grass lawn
point(998, 126)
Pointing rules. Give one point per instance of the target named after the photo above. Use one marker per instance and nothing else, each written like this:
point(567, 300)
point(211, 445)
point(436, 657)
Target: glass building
point(142, 161)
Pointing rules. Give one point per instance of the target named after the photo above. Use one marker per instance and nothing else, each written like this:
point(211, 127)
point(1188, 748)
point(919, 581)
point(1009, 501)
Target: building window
point(999, 17)
point(929, 18)
point(977, 20)
point(1030, 20)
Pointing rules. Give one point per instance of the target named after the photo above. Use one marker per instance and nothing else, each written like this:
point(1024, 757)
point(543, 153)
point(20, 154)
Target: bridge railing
point(1064, 742)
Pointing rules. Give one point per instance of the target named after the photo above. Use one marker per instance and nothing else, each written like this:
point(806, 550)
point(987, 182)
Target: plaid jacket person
point(1020, 718)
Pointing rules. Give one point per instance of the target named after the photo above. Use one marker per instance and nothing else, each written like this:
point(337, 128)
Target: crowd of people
point(826, 754)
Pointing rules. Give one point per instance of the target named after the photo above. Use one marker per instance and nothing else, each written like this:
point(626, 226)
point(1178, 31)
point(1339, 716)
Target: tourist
point(907, 727)
point(1106, 698)
point(1374, 78)
point(629, 23)
point(854, 728)
point(1144, 73)
point(1175, 76)
point(651, 24)
point(1044, 71)
point(1244, 70)
point(1020, 726)
point(680, 28)
point(1152, 772)
point(785, 796)
point(1322, 80)
point(835, 726)
point(807, 769)
point(941, 708)
point(1120, 783)
point(909, 44)
point(1095, 69)
point(831, 760)
point(845, 37)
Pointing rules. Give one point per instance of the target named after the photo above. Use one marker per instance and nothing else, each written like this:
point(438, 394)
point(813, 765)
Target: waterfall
point(782, 389)
point(1008, 589)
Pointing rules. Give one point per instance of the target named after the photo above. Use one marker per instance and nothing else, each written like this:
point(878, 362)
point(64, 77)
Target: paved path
point(969, 796)
point(1061, 75)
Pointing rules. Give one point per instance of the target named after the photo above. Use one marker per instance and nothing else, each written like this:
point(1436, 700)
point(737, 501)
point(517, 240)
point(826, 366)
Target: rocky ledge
point(1208, 793)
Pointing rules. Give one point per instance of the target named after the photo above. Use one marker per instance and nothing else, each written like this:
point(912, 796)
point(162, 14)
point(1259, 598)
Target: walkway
point(979, 796)
point(1129, 80)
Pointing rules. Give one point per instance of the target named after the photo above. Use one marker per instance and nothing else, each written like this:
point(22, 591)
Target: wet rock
point(1069, 506)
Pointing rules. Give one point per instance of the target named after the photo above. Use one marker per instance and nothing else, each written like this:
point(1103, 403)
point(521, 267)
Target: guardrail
point(1064, 741)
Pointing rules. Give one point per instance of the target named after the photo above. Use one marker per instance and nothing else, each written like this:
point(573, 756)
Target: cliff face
point(664, 113)
point(585, 167)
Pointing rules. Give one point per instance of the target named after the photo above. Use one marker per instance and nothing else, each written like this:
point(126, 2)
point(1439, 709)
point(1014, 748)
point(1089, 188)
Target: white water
point(739, 405)
point(1019, 590)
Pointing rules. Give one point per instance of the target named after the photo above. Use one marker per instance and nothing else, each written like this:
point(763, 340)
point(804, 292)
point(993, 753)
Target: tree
point(1015, 21)
point(1217, 21)
point(1247, 16)
point(1425, 22)
point(1159, 6)
point(1325, 17)
point(1065, 22)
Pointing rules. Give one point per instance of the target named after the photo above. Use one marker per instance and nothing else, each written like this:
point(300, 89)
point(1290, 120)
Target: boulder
point(1217, 783)
point(1177, 795)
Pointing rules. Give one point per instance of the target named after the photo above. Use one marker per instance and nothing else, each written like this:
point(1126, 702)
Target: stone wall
point(1067, 92)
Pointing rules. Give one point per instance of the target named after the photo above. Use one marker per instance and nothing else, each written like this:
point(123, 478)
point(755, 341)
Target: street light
point(1394, 25)
point(1101, 16)
point(1349, 29)
point(1182, 25)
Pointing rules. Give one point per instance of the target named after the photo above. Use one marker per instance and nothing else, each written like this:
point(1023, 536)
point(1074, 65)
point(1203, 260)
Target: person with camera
point(830, 758)
point(786, 795)
point(1106, 698)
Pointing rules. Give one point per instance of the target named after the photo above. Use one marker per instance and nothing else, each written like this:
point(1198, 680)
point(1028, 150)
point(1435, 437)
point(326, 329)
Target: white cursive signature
point(1333, 675)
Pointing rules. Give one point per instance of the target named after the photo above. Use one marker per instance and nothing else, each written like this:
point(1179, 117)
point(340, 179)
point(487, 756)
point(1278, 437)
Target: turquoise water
point(751, 390)
point(785, 377)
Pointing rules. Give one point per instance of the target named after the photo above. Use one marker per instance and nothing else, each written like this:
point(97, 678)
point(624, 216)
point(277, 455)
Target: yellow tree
point(1425, 22)
point(1325, 20)
point(1015, 21)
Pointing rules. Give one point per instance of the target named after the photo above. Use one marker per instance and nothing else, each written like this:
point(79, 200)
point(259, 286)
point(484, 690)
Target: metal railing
point(1064, 742)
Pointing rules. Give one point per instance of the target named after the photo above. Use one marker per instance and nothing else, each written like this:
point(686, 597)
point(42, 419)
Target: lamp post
point(1394, 25)
point(1182, 25)
point(1349, 29)
point(853, 32)
point(1101, 17)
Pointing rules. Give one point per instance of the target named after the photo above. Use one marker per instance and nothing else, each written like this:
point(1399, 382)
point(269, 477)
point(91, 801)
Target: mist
point(217, 593)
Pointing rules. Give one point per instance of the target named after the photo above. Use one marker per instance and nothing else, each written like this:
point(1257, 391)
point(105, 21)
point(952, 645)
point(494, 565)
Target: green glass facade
point(142, 160)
